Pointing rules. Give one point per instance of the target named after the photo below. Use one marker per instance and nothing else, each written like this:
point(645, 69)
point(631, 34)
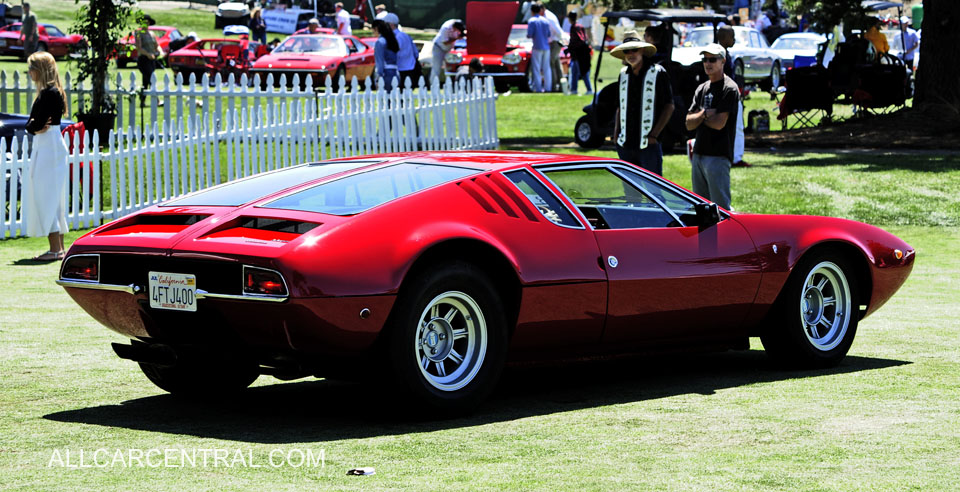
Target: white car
point(752, 56)
point(793, 44)
point(229, 13)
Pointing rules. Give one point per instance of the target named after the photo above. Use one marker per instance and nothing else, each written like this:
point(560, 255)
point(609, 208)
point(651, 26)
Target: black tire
point(335, 83)
point(802, 311)
point(586, 135)
point(772, 82)
point(202, 378)
point(467, 312)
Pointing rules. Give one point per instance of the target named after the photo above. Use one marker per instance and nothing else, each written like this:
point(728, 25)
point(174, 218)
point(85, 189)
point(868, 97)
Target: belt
point(389, 67)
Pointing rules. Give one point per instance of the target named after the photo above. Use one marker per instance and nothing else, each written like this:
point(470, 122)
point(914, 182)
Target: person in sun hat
point(712, 114)
point(646, 103)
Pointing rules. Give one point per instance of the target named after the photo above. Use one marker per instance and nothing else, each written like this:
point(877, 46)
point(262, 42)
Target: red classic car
point(52, 40)
point(209, 56)
point(426, 272)
point(316, 56)
point(502, 47)
point(127, 47)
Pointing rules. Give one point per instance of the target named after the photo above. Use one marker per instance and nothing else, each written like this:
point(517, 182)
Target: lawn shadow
point(322, 410)
point(873, 162)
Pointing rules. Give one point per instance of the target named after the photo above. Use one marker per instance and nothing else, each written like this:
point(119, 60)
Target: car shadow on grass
point(321, 410)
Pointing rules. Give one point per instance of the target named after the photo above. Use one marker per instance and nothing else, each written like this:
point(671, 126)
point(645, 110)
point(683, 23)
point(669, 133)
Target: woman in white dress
point(45, 186)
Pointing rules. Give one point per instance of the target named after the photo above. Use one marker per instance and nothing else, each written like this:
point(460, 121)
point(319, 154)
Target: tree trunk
point(938, 81)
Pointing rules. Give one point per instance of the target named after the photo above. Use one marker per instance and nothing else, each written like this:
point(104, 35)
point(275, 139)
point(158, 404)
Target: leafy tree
point(102, 23)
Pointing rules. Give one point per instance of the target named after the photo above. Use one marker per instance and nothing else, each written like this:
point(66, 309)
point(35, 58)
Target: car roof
point(801, 35)
point(667, 15)
point(482, 160)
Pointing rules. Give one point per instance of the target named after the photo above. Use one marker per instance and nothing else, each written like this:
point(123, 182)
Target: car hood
point(790, 54)
point(488, 26)
point(294, 60)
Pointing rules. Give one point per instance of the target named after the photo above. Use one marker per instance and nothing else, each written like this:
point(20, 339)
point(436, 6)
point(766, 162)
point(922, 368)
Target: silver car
point(752, 56)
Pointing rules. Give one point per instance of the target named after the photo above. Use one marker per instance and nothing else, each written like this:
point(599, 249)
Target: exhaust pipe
point(147, 353)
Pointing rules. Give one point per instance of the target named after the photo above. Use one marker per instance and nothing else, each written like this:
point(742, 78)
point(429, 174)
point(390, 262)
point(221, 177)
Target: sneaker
point(588, 93)
point(741, 164)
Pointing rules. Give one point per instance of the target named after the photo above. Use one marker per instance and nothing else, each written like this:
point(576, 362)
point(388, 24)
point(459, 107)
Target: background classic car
point(127, 47)
point(425, 272)
point(52, 40)
point(752, 56)
point(206, 55)
point(317, 56)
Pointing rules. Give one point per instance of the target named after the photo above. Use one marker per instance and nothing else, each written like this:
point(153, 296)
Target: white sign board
point(284, 21)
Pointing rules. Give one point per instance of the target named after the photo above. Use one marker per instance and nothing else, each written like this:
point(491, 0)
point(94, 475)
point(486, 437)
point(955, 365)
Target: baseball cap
point(714, 49)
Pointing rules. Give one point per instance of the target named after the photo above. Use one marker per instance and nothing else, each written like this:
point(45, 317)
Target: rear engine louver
point(495, 194)
point(258, 229)
point(156, 225)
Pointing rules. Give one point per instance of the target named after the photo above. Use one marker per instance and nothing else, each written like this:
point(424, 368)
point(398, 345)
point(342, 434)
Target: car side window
point(350, 46)
point(546, 202)
point(609, 201)
point(682, 206)
point(755, 40)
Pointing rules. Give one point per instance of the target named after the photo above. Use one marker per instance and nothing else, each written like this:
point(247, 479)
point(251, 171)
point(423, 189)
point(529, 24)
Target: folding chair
point(809, 97)
point(881, 87)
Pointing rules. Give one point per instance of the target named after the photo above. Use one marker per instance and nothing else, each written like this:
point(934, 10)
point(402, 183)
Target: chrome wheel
point(584, 132)
point(775, 77)
point(450, 341)
point(825, 306)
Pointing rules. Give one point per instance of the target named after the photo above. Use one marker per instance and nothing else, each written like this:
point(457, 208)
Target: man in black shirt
point(713, 115)
point(646, 104)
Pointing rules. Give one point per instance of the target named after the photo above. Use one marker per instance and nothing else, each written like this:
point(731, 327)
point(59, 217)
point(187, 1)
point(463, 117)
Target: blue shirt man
point(538, 29)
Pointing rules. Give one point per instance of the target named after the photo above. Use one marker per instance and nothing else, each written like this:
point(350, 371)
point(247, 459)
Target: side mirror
point(708, 214)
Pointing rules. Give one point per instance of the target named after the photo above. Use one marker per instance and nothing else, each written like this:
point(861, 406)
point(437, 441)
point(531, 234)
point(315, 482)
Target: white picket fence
point(175, 98)
point(140, 169)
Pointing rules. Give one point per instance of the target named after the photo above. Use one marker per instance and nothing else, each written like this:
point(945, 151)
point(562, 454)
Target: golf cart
point(596, 125)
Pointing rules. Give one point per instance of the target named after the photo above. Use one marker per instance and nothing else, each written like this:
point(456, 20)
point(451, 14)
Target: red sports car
point(206, 55)
point(127, 47)
point(317, 56)
point(428, 271)
point(52, 40)
point(503, 48)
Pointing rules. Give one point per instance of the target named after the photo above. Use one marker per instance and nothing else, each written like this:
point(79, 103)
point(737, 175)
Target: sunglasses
point(710, 59)
point(631, 51)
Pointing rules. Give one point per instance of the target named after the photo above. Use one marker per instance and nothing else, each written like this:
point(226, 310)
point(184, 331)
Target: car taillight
point(81, 267)
point(260, 281)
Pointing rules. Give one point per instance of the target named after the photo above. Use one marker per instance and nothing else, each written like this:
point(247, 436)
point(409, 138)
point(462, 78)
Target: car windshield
point(362, 191)
point(246, 190)
point(53, 31)
point(795, 44)
point(703, 37)
point(518, 37)
point(324, 45)
point(215, 45)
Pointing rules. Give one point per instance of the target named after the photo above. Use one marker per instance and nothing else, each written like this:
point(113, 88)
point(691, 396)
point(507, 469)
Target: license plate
point(175, 291)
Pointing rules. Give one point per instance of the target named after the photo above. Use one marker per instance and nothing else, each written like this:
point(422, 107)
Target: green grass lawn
point(886, 419)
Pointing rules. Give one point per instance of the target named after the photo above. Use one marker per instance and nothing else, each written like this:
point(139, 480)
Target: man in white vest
point(646, 104)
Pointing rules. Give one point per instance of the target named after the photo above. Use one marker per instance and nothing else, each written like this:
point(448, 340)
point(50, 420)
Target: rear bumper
point(319, 325)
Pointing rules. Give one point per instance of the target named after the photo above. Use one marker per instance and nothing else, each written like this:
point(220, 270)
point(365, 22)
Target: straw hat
point(632, 41)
